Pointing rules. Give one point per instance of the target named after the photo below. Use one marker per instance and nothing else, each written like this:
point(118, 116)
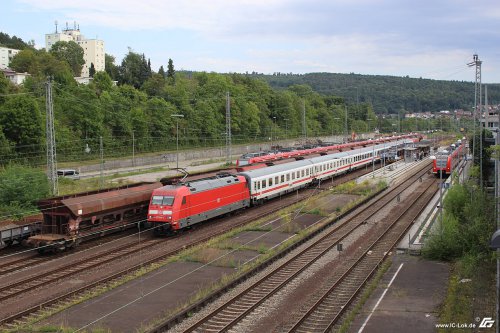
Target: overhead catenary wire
point(125, 194)
point(265, 233)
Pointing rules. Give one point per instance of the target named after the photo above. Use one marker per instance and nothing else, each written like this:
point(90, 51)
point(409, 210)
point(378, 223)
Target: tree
point(171, 71)
point(154, 85)
point(60, 70)
point(70, 52)
point(110, 67)
point(91, 70)
point(102, 82)
point(145, 70)
point(134, 70)
point(22, 122)
point(20, 188)
point(161, 71)
point(25, 62)
point(42, 64)
point(5, 86)
point(12, 42)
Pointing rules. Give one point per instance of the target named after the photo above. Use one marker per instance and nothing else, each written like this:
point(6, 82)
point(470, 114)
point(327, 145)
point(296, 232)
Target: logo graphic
point(487, 322)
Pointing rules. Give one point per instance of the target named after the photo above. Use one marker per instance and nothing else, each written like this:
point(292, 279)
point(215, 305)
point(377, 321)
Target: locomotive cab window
point(184, 200)
point(162, 200)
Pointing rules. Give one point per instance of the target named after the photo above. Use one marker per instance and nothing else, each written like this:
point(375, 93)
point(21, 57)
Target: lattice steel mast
point(228, 129)
point(477, 92)
point(51, 140)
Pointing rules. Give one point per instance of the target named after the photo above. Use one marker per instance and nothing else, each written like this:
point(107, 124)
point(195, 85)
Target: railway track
point(73, 268)
point(328, 309)
point(15, 289)
point(32, 259)
point(18, 264)
point(210, 232)
point(233, 311)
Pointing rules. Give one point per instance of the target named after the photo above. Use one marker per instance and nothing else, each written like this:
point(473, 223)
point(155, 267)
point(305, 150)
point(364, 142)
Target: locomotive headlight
point(153, 211)
point(167, 212)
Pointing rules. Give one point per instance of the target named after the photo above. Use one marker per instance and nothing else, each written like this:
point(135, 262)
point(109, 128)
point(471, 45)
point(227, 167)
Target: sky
point(429, 39)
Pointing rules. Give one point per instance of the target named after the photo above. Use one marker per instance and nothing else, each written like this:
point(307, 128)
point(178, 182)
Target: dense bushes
point(467, 226)
point(20, 188)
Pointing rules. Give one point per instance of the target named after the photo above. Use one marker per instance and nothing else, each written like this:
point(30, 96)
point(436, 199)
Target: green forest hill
point(389, 94)
point(131, 105)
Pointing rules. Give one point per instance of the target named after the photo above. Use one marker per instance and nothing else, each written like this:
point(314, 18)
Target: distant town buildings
point(489, 118)
point(16, 78)
point(6, 55)
point(93, 49)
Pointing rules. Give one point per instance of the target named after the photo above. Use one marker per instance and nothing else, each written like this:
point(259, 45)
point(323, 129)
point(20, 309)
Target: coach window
point(276, 180)
point(264, 185)
point(293, 175)
point(270, 182)
point(282, 178)
point(302, 172)
point(287, 177)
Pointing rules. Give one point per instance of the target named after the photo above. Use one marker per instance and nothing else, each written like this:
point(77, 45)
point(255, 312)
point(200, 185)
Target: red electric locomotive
point(447, 160)
point(174, 207)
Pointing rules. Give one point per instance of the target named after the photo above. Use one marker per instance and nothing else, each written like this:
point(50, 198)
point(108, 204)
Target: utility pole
point(51, 141)
point(177, 116)
point(346, 129)
point(286, 128)
point(133, 149)
point(273, 133)
point(481, 135)
point(373, 160)
point(477, 90)
point(399, 122)
point(304, 127)
point(228, 129)
point(101, 176)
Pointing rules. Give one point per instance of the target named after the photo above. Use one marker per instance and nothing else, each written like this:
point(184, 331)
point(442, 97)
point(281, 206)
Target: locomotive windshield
point(162, 200)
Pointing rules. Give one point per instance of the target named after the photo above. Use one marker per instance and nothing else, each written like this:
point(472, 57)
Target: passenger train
point(270, 157)
point(173, 207)
point(445, 162)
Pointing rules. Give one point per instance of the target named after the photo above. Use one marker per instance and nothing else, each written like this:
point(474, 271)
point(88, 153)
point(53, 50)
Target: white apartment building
point(6, 55)
point(93, 49)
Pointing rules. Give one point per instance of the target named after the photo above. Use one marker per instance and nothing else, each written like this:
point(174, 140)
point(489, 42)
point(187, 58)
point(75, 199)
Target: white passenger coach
point(276, 180)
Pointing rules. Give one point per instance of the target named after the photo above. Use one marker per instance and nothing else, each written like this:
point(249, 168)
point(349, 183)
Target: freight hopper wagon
point(181, 205)
point(68, 220)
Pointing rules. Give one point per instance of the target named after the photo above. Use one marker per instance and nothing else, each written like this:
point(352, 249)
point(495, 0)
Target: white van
point(68, 173)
